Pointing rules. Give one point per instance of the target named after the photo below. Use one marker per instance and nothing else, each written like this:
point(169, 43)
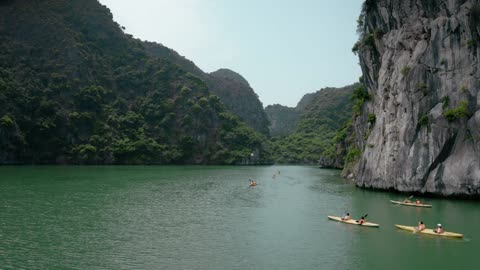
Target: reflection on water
point(194, 217)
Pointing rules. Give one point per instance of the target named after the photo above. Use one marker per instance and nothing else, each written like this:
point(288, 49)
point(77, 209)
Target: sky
point(284, 48)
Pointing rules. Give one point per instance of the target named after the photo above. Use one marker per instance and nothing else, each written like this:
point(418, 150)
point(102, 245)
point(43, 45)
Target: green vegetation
point(446, 101)
point(371, 118)
point(76, 89)
point(234, 91)
point(316, 132)
point(360, 96)
point(471, 43)
point(7, 122)
point(356, 47)
point(360, 23)
point(352, 155)
point(405, 70)
point(285, 120)
point(423, 120)
point(422, 86)
point(365, 39)
point(377, 34)
point(368, 40)
point(457, 113)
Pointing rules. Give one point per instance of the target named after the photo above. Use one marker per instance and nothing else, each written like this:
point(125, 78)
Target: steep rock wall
point(420, 64)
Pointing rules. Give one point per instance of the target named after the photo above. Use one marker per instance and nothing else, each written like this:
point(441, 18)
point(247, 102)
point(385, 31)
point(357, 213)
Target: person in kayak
point(439, 229)
point(361, 221)
point(346, 217)
point(421, 226)
point(417, 201)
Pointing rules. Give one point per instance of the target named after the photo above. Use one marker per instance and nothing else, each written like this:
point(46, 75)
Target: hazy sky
point(284, 48)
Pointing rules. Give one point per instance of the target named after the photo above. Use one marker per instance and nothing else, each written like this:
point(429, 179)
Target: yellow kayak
point(411, 204)
point(429, 231)
point(353, 222)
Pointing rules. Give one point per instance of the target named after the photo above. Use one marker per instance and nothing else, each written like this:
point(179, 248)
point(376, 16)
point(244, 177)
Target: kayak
point(252, 185)
point(411, 204)
point(430, 231)
point(353, 222)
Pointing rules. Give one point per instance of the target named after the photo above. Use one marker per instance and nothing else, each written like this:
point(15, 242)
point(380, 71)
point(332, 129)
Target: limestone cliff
point(420, 63)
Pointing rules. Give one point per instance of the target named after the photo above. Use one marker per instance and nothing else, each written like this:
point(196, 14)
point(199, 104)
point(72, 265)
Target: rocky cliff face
point(420, 63)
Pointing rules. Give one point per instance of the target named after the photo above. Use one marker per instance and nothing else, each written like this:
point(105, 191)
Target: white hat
point(439, 225)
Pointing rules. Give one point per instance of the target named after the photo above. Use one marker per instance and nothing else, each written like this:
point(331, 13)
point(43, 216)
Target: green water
point(209, 218)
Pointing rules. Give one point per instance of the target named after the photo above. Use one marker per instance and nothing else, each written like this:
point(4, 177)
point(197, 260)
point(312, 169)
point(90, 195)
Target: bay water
point(208, 217)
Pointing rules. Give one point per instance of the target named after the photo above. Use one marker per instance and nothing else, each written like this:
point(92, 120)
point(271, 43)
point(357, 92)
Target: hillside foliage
point(326, 112)
point(75, 89)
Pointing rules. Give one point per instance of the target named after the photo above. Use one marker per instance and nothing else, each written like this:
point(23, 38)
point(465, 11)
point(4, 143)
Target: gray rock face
point(421, 68)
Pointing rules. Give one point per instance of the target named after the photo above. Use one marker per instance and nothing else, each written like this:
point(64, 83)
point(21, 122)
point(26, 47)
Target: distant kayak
point(411, 204)
point(430, 231)
point(252, 185)
point(353, 222)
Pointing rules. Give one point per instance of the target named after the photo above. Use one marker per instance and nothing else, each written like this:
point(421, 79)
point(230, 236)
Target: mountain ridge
point(232, 88)
point(75, 89)
point(314, 124)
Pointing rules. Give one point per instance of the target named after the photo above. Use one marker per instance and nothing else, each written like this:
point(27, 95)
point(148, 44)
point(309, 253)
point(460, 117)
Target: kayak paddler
point(421, 226)
point(439, 228)
point(362, 220)
point(346, 217)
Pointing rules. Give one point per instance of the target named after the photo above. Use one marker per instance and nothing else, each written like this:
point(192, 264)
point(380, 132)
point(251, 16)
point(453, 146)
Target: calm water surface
point(194, 217)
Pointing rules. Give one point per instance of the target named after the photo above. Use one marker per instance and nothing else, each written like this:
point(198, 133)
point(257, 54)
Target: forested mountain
point(283, 120)
point(74, 88)
point(321, 115)
point(234, 90)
